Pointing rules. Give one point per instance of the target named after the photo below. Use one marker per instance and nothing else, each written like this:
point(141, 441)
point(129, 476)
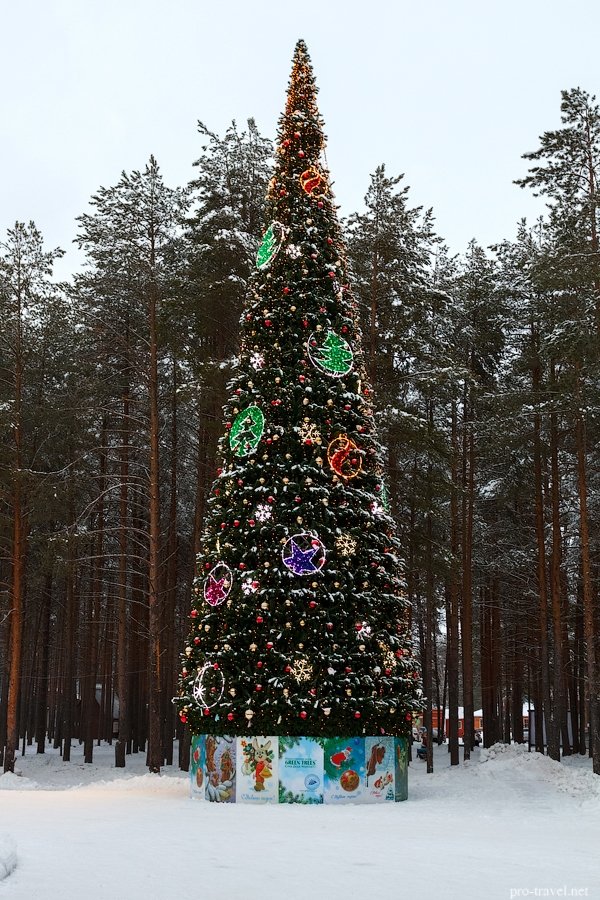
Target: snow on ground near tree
point(509, 820)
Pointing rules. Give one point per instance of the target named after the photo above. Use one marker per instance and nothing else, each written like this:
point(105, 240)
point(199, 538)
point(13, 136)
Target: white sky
point(450, 92)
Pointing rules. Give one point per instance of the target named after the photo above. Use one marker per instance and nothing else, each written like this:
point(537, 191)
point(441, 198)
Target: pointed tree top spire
point(302, 90)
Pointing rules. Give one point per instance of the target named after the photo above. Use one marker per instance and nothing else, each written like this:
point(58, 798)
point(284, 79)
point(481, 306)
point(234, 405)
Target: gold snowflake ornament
point(309, 433)
point(301, 670)
point(389, 657)
point(346, 545)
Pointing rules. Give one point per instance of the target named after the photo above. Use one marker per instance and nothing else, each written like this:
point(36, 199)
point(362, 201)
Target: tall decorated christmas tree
point(299, 624)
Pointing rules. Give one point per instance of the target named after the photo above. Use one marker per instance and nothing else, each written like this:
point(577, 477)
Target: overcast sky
point(449, 93)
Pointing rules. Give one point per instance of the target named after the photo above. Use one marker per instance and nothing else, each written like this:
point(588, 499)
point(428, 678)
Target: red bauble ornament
point(268, 323)
point(408, 717)
point(282, 192)
point(345, 329)
point(236, 523)
point(298, 499)
point(331, 275)
point(242, 566)
point(223, 525)
point(206, 711)
point(357, 715)
point(312, 604)
point(183, 718)
point(196, 640)
point(251, 523)
point(330, 240)
point(296, 135)
point(288, 668)
point(348, 670)
point(259, 664)
point(258, 687)
point(194, 613)
point(287, 290)
point(301, 154)
point(269, 645)
point(303, 714)
point(320, 204)
point(388, 671)
point(259, 620)
point(329, 626)
point(270, 499)
point(230, 716)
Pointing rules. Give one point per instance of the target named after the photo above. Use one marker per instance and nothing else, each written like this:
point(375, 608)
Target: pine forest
point(480, 368)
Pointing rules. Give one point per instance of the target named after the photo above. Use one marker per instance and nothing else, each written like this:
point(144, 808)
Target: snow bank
point(14, 781)
point(8, 855)
point(150, 783)
point(579, 783)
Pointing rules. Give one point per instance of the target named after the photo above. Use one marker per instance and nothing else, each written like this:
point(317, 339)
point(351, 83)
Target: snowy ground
point(508, 824)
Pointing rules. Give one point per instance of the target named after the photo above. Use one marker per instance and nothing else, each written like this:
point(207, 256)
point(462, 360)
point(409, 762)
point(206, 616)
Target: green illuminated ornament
point(385, 497)
point(332, 356)
point(270, 245)
point(246, 431)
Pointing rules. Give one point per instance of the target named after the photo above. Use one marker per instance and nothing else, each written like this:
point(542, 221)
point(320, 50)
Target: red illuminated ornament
point(313, 183)
point(344, 457)
point(218, 584)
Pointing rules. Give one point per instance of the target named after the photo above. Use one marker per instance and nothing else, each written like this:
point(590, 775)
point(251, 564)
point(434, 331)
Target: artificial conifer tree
point(299, 624)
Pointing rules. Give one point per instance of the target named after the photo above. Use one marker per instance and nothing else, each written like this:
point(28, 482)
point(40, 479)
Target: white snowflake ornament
point(294, 251)
point(249, 586)
point(363, 629)
point(257, 361)
point(263, 512)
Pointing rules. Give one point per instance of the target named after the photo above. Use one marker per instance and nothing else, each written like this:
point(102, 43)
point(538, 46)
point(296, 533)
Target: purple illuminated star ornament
point(218, 584)
point(303, 561)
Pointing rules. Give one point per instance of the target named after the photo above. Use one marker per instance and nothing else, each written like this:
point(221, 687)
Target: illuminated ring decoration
point(209, 686)
point(341, 458)
point(303, 554)
point(270, 245)
point(333, 356)
point(218, 584)
point(313, 182)
point(246, 431)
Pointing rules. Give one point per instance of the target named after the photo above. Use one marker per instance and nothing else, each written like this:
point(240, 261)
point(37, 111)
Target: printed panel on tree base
point(401, 765)
point(198, 767)
point(257, 765)
point(344, 762)
point(308, 770)
point(220, 769)
point(301, 770)
point(379, 770)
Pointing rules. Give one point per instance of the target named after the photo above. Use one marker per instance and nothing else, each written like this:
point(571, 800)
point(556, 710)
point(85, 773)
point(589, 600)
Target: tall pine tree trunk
point(548, 715)
point(154, 757)
point(17, 560)
point(587, 588)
